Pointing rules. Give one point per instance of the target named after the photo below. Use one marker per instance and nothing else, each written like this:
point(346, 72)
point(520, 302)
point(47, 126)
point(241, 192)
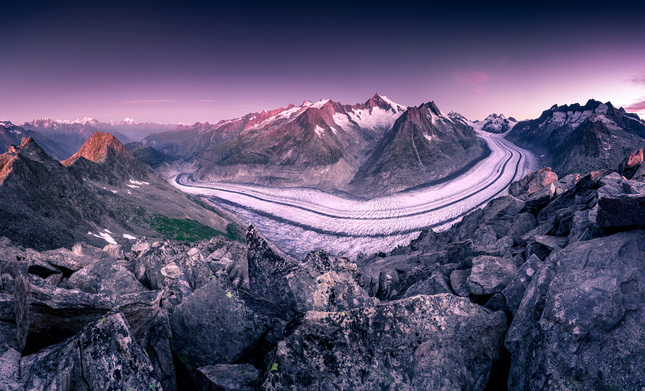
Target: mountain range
point(355, 148)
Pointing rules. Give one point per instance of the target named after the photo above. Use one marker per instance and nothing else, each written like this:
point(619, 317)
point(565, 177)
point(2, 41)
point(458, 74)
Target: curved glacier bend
point(303, 219)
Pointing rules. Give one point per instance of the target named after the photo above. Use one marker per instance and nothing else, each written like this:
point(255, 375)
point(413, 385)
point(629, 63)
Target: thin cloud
point(207, 100)
point(474, 79)
point(637, 106)
point(146, 101)
point(639, 80)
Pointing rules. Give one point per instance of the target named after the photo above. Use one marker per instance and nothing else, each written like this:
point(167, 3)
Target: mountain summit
point(424, 145)
point(103, 158)
point(99, 148)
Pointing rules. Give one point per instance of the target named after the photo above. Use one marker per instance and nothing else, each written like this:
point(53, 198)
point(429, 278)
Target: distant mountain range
point(100, 195)
point(62, 138)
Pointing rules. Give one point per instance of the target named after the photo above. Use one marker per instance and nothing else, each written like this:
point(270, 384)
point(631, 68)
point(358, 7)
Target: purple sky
point(186, 62)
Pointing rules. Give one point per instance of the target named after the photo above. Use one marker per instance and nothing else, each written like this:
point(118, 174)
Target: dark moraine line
point(337, 234)
point(500, 173)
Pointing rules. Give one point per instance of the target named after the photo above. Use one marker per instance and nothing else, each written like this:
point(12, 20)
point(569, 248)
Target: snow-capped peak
point(82, 121)
point(495, 123)
point(129, 121)
point(320, 103)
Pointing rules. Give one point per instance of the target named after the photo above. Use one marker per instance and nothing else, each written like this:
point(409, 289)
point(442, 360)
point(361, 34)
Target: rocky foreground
point(541, 289)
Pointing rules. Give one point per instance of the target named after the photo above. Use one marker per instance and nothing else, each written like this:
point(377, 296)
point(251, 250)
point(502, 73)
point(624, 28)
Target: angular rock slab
point(103, 356)
point(581, 323)
point(223, 377)
point(438, 342)
point(213, 325)
point(491, 274)
point(621, 211)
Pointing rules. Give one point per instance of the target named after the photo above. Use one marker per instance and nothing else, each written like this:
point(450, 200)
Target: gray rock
point(9, 358)
point(491, 274)
point(459, 282)
point(105, 276)
point(501, 212)
point(553, 243)
point(421, 343)
point(224, 377)
point(514, 291)
point(497, 302)
point(580, 324)
point(214, 325)
point(299, 287)
point(583, 228)
point(6, 307)
point(523, 223)
point(104, 355)
point(46, 315)
point(621, 211)
point(484, 236)
point(431, 286)
point(503, 245)
point(540, 198)
point(115, 250)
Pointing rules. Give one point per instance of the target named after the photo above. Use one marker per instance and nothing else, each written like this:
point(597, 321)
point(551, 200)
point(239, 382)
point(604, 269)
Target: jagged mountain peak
point(30, 149)
point(99, 147)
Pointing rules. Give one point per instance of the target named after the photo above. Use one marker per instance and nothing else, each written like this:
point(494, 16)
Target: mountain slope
point(113, 199)
point(147, 155)
point(423, 146)
point(575, 138)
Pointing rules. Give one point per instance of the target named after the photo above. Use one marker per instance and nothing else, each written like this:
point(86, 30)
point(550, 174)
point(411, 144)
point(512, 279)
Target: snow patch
point(138, 183)
point(132, 186)
point(373, 119)
point(130, 237)
point(394, 105)
point(319, 131)
point(103, 235)
point(428, 137)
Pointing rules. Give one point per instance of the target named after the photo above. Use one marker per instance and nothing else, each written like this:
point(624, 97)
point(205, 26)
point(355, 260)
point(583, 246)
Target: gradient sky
point(187, 61)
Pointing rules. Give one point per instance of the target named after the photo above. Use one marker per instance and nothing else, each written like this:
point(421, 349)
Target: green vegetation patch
point(182, 229)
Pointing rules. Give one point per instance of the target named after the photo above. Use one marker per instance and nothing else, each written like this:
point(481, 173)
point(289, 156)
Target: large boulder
point(532, 183)
point(581, 322)
point(319, 283)
point(214, 325)
point(631, 163)
point(46, 315)
point(103, 356)
point(491, 275)
point(514, 291)
point(422, 343)
point(621, 211)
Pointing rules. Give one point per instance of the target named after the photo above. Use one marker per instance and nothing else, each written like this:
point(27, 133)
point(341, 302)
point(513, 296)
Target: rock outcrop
point(422, 342)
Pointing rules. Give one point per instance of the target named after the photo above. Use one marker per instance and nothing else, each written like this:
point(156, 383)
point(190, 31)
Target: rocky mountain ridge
point(102, 194)
point(577, 138)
